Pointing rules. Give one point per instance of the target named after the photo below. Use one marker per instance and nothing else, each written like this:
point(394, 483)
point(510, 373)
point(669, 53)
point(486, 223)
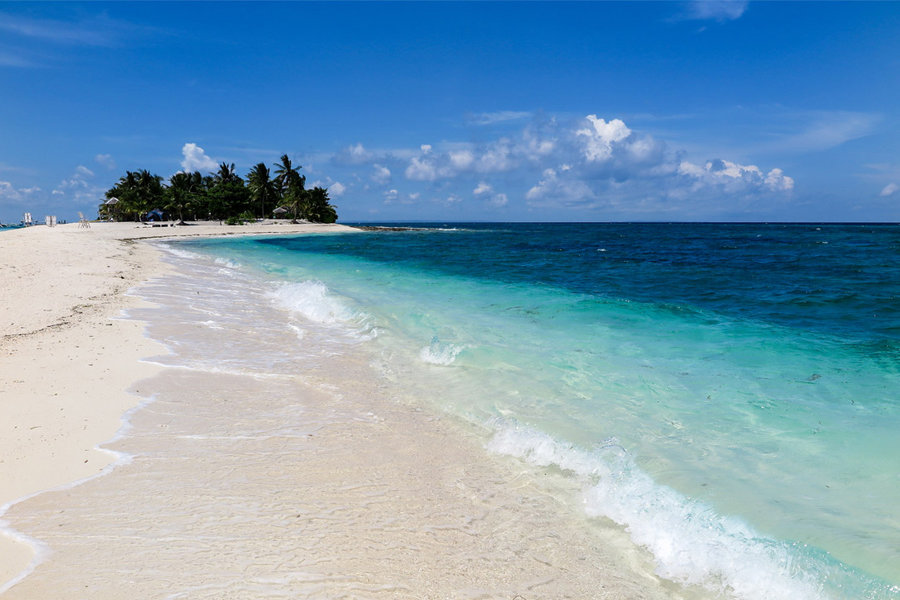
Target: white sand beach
point(375, 499)
point(67, 358)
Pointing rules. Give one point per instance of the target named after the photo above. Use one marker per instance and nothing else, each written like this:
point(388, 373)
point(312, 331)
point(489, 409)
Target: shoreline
point(440, 488)
point(68, 357)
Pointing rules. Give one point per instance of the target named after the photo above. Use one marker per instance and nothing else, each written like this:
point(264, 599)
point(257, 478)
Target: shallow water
point(728, 393)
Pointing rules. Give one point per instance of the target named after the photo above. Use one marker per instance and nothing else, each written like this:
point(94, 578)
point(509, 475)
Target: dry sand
point(378, 500)
point(66, 358)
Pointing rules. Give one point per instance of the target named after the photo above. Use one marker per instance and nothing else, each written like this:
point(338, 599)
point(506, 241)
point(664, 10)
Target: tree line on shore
point(224, 196)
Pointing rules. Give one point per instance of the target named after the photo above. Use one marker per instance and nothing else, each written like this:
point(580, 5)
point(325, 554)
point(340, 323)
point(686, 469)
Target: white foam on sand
point(691, 543)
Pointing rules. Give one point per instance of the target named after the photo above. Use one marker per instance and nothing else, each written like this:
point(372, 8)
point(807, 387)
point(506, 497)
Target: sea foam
point(691, 543)
point(440, 353)
point(313, 301)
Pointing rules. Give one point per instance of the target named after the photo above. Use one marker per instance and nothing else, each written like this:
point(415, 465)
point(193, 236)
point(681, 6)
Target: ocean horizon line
point(486, 222)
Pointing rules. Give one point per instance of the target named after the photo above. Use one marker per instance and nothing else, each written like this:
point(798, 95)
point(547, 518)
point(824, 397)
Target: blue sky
point(465, 111)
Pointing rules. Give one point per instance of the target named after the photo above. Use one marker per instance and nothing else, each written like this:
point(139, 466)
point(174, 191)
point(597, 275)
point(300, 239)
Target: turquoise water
point(730, 394)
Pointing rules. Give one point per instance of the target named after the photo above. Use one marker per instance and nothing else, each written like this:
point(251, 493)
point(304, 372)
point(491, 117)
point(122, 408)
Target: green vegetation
point(224, 196)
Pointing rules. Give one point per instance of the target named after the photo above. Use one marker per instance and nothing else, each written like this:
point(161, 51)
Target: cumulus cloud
point(554, 189)
point(497, 156)
point(337, 189)
point(382, 174)
point(462, 159)
point(736, 177)
point(776, 180)
point(486, 191)
point(421, 168)
point(890, 189)
point(600, 136)
point(393, 196)
point(593, 163)
point(195, 159)
point(482, 188)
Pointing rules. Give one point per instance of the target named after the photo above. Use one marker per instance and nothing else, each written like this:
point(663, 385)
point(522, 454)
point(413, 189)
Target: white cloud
point(358, 151)
point(337, 189)
point(592, 163)
point(600, 136)
point(105, 160)
point(78, 180)
point(736, 177)
point(482, 188)
point(353, 155)
point(486, 190)
point(717, 10)
point(553, 189)
point(195, 159)
point(889, 189)
point(776, 180)
point(392, 196)
point(534, 147)
point(497, 157)
point(421, 169)
point(7, 191)
point(382, 174)
point(79, 187)
point(461, 159)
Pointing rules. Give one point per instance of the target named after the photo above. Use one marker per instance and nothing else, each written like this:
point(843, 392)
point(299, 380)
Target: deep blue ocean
point(727, 393)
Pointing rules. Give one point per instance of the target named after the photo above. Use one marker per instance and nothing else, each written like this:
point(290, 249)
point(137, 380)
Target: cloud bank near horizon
point(589, 165)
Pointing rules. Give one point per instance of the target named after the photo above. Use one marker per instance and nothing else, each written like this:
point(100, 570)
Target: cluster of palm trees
point(223, 196)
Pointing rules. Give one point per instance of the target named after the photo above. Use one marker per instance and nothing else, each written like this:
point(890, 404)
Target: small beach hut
point(109, 209)
point(280, 212)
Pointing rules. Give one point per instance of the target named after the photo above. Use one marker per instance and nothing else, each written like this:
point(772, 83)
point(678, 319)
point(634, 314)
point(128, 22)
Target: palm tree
point(226, 173)
point(181, 192)
point(290, 183)
point(262, 188)
point(317, 207)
